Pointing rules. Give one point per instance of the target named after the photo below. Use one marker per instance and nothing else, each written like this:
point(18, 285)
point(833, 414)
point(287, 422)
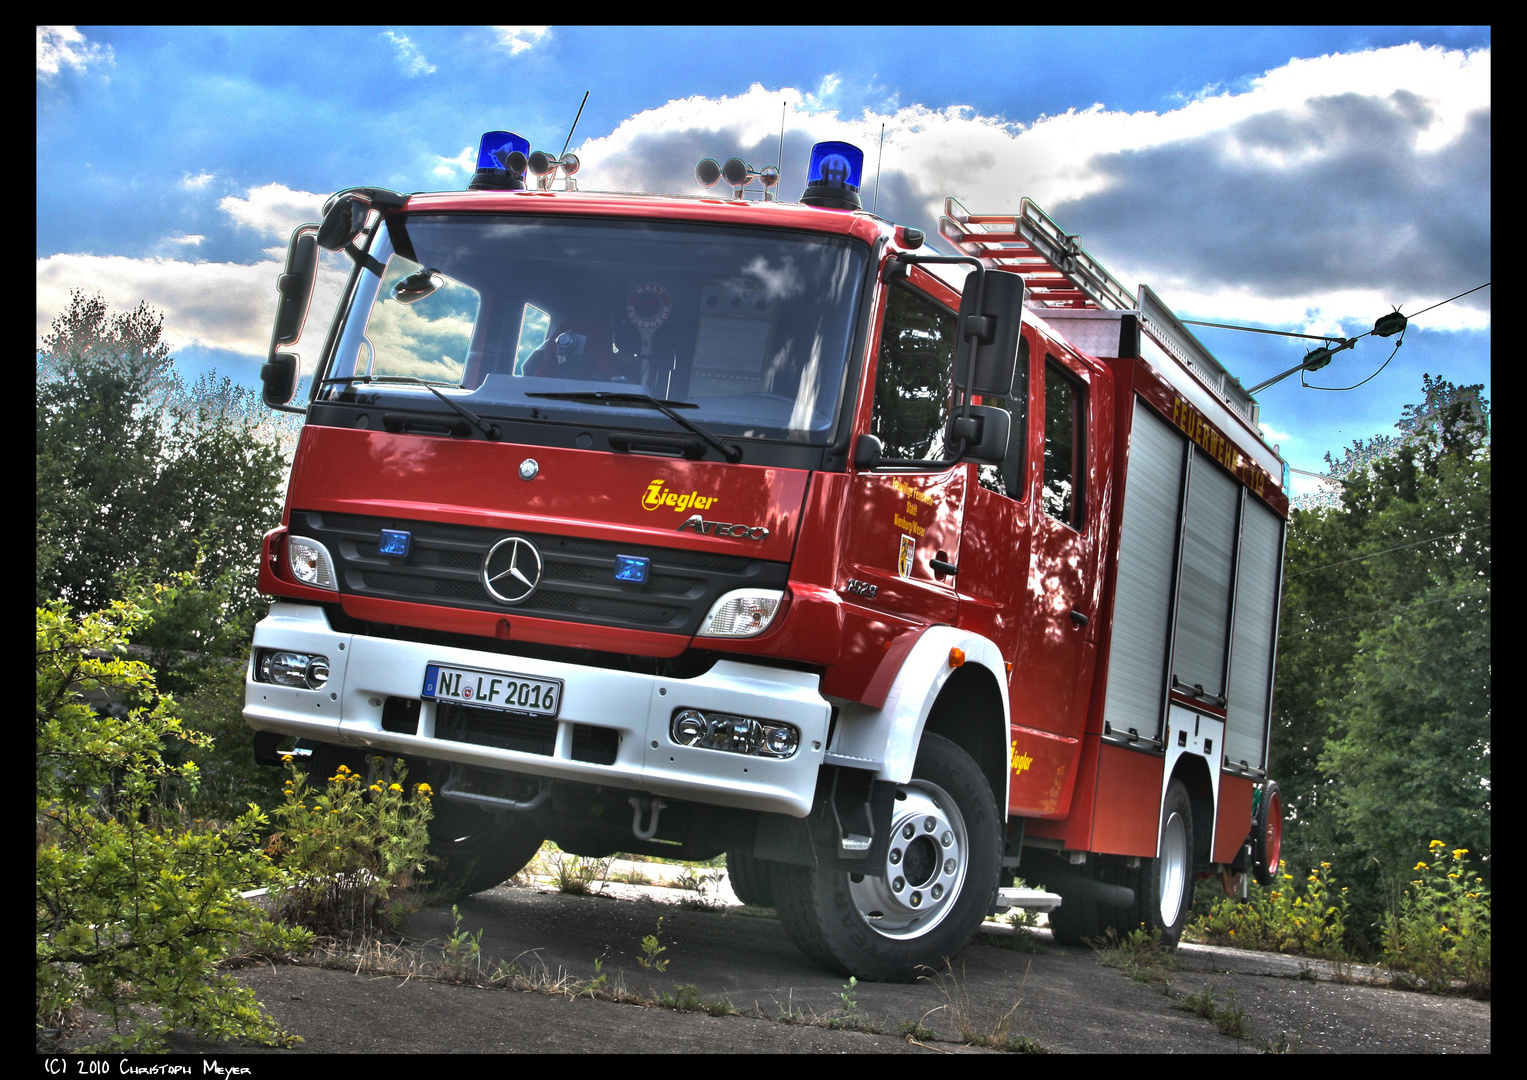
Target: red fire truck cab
point(689, 526)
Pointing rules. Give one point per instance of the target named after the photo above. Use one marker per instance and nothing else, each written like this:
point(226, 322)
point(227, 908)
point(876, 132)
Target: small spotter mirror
point(417, 286)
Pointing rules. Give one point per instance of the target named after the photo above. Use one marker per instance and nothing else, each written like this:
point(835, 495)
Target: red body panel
point(1232, 816)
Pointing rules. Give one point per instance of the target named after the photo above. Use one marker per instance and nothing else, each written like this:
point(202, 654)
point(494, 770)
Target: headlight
point(742, 613)
point(311, 563)
point(303, 670)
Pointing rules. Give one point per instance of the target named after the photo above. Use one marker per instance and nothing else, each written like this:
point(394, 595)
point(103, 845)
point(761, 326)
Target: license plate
point(499, 690)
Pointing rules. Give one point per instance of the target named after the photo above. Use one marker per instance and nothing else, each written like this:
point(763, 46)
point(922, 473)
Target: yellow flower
point(1314, 877)
point(375, 787)
point(1325, 866)
point(1451, 876)
point(1420, 866)
point(425, 789)
point(286, 757)
point(344, 768)
point(1459, 853)
point(394, 787)
point(1435, 844)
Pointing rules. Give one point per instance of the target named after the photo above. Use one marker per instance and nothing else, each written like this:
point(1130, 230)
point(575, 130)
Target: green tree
point(138, 473)
point(132, 915)
point(1382, 737)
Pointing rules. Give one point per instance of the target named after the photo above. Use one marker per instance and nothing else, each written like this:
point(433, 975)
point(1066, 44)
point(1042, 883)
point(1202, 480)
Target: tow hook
point(639, 802)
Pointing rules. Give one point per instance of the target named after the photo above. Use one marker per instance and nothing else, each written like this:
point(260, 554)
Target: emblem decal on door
point(904, 560)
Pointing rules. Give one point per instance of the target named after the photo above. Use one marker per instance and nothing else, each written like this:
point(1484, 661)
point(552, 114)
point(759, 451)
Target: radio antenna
point(876, 204)
point(574, 128)
point(780, 165)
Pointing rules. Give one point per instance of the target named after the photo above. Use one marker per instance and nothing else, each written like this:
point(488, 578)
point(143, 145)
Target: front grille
point(444, 566)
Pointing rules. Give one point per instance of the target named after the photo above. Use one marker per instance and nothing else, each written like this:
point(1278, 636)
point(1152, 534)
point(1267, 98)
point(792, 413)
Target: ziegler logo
point(655, 497)
point(724, 528)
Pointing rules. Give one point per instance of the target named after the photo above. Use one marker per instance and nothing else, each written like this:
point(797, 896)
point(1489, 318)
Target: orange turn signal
point(956, 657)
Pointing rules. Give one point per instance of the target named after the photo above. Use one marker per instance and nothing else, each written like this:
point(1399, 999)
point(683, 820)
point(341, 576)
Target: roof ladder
point(1055, 267)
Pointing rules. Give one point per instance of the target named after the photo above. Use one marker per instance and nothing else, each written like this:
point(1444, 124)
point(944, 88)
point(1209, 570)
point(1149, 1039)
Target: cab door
point(902, 522)
point(1056, 642)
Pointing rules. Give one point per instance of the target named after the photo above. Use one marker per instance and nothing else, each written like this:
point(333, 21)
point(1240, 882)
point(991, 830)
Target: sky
point(1305, 179)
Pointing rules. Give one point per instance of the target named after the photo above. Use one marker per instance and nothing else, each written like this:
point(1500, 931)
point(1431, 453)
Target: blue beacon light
point(501, 160)
point(834, 175)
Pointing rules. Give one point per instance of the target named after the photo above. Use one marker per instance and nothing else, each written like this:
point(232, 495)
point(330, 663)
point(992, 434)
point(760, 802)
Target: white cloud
point(519, 38)
point(449, 168)
point(411, 59)
point(59, 47)
point(273, 209)
point(197, 182)
point(1328, 190)
point(217, 305)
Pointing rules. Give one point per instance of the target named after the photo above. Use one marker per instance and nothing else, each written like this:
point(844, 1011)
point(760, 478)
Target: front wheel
point(472, 851)
point(940, 874)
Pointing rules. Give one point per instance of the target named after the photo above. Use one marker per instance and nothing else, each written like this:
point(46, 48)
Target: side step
point(1028, 899)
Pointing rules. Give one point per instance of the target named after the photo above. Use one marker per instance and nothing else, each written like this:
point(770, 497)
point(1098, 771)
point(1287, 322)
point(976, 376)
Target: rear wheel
point(1267, 835)
point(750, 878)
point(1164, 885)
point(940, 876)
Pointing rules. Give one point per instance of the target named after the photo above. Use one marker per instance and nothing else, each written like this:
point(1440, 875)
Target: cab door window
point(1065, 447)
point(1008, 478)
point(912, 379)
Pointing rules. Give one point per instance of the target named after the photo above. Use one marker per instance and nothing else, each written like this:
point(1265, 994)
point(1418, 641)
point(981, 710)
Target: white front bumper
point(365, 671)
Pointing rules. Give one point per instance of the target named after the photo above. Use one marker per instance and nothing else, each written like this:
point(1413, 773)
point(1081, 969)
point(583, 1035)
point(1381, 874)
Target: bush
point(131, 915)
point(1308, 918)
point(352, 847)
point(1441, 931)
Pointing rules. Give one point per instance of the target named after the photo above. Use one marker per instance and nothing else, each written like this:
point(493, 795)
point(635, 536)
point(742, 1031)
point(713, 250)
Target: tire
point(1164, 885)
point(751, 878)
point(473, 851)
point(939, 882)
point(1267, 835)
point(1081, 919)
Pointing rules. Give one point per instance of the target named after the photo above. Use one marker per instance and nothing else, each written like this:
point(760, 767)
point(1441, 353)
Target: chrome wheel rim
point(925, 866)
point(1174, 867)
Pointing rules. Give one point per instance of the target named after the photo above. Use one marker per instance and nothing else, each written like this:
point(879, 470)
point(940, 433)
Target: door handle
point(1078, 618)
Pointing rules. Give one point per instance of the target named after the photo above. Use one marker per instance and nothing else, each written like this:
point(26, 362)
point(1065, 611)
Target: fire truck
point(702, 525)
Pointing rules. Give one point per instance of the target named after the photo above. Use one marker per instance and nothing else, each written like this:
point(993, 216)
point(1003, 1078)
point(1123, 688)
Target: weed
point(1022, 1044)
point(1308, 919)
point(991, 1030)
point(462, 954)
point(914, 1031)
point(1139, 954)
point(1229, 1019)
point(849, 999)
point(1019, 940)
point(574, 874)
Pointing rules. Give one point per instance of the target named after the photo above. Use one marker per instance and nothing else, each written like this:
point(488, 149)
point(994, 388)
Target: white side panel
point(1142, 613)
point(1208, 563)
point(1256, 612)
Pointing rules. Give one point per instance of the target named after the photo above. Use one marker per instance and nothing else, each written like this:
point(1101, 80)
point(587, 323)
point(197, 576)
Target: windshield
point(752, 327)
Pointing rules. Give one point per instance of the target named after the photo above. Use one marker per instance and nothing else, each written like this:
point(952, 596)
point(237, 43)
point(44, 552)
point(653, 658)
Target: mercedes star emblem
point(512, 569)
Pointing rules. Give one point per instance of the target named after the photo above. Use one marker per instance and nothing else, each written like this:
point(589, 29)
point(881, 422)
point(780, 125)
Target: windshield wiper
point(730, 451)
point(489, 430)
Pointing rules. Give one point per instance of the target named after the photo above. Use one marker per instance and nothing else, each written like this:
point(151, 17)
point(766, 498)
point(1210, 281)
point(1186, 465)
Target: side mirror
point(986, 432)
point(278, 379)
point(296, 285)
point(987, 362)
point(342, 223)
point(867, 452)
